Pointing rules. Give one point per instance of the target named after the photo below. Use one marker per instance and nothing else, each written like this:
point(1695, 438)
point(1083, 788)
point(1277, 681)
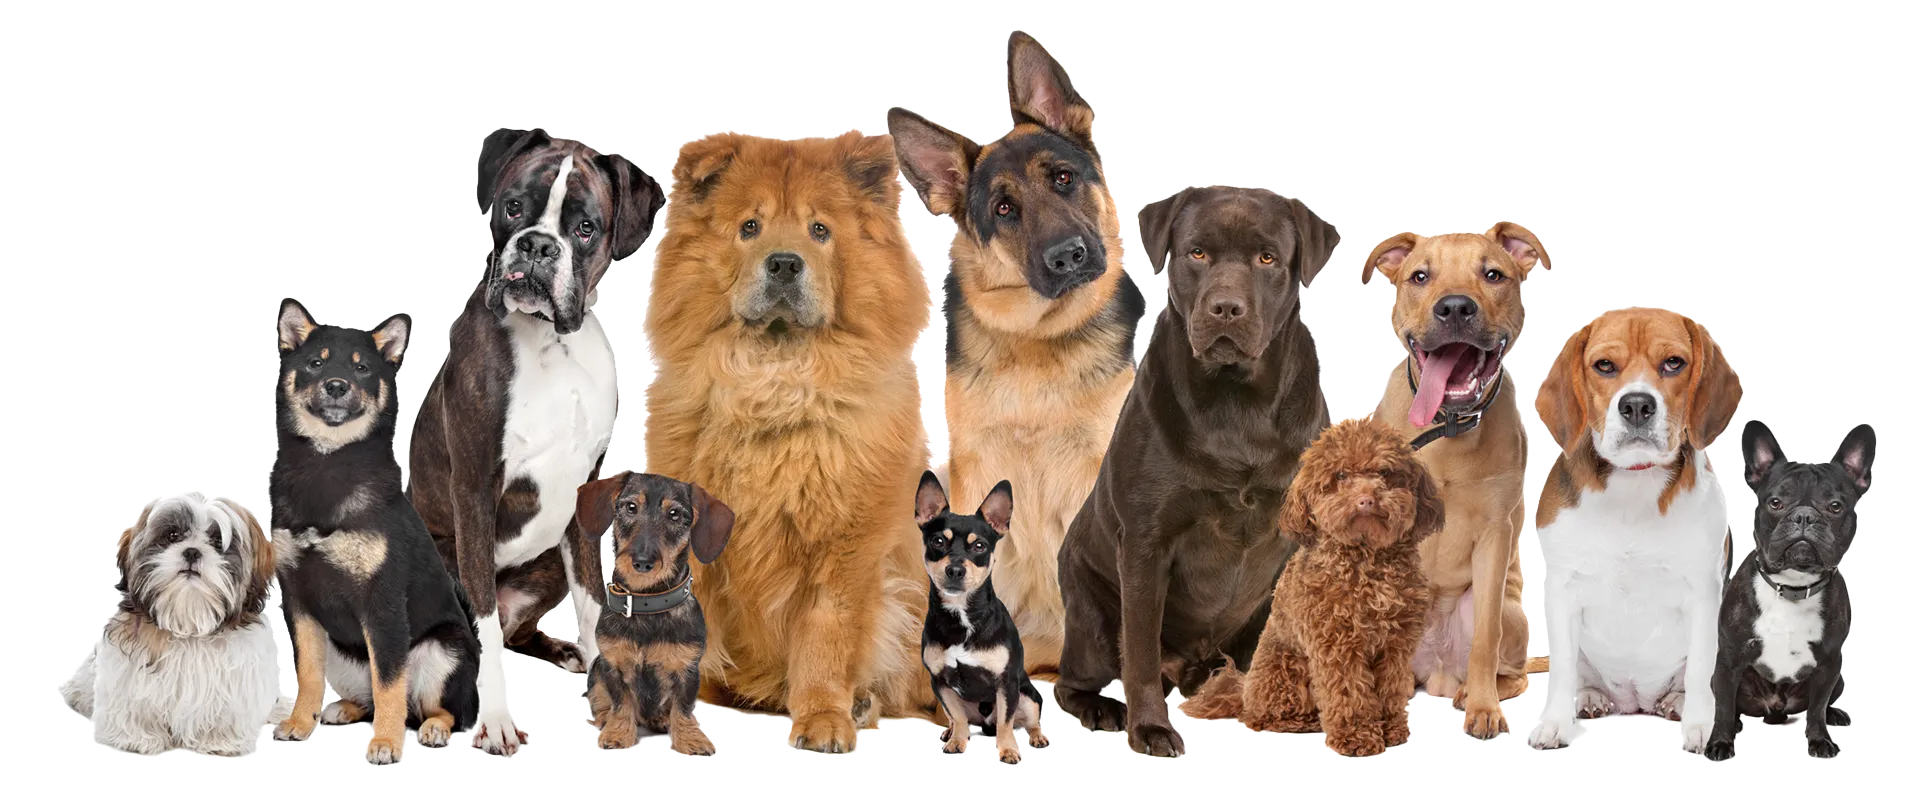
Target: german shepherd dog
point(1040, 319)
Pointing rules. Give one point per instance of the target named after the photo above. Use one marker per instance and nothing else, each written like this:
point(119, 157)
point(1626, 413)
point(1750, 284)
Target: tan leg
point(686, 735)
point(1003, 730)
point(828, 644)
point(389, 712)
point(310, 672)
point(1480, 696)
point(957, 728)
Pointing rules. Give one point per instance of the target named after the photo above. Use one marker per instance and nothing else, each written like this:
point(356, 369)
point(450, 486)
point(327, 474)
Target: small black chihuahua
point(970, 644)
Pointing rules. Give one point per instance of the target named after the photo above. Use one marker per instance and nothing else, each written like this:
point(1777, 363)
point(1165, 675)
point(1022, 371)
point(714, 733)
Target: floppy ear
point(930, 499)
point(1430, 511)
point(1762, 452)
point(593, 505)
point(998, 507)
point(295, 325)
point(1041, 94)
point(1714, 392)
point(253, 543)
point(1156, 227)
point(871, 166)
point(1387, 255)
point(123, 556)
point(1856, 456)
point(391, 337)
point(636, 199)
point(1521, 244)
point(935, 160)
point(501, 148)
point(1562, 402)
point(712, 525)
point(701, 163)
point(1296, 513)
point(1314, 240)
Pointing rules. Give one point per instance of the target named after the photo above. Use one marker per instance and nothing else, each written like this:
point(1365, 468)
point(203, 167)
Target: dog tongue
point(1435, 373)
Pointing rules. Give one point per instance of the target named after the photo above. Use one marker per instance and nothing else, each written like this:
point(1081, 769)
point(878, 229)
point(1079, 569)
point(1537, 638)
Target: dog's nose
point(785, 266)
point(538, 246)
point(1227, 309)
point(191, 555)
point(1636, 407)
point(645, 565)
point(1455, 308)
point(1067, 256)
point(336, 388)
point(1365, 504)
point(956, 572)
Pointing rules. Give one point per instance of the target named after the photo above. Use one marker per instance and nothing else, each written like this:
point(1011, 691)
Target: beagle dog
point(1633, 523)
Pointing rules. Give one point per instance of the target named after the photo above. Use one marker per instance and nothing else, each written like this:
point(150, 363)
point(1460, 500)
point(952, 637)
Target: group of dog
point(1158, 503)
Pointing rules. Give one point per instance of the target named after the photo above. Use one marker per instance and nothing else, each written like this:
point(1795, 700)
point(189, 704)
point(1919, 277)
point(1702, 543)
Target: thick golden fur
point(813, 436)
point(1348, 610)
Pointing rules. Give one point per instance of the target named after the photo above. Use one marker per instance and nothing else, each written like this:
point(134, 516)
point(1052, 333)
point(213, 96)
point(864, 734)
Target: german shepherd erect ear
point(1041, 94)
point(935, 160)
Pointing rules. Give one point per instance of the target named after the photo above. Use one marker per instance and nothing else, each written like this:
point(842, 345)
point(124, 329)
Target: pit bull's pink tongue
point(1434, 375)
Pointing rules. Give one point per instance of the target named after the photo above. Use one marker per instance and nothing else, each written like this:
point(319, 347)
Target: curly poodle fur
point(1349, 608)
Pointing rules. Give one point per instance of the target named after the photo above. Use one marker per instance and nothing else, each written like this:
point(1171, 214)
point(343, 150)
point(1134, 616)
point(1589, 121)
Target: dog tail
point(1219, 697)
point(1536, 664)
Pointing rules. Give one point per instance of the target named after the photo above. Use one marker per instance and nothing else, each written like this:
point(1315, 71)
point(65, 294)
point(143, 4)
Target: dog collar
point(1451, 423)
point(627, 604)
point(1796, 593)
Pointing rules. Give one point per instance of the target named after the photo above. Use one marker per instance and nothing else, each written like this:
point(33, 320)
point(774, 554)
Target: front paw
point(1822, 748)
point(1551, 735)
point(823, 732)
point(435, 732)
point(954, 744)
point(1009, 755)
point(1156, 739)
point(1362, 741)
point(1694, 735)
point(619, 737)
point(1485, 723)
point(1592, 704)
point(383, 751)
point(1395, 732)
point(295, 729)
point(1719, 749)
point(693, 743)
point(498, 736)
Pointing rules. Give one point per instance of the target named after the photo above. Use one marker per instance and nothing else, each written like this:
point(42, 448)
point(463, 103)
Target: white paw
point(1694, 736)
point(1592, 704)
point(341, 712)
point(497, 735)
point(1551, 735)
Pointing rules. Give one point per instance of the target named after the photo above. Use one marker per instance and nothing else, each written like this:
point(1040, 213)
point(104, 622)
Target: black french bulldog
point(1785, 612)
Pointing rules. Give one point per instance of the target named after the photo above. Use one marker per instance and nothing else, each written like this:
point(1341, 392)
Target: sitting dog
point(651, 632)
point(1349, 609)
point(1786, 610)
point(186, 661)
point(1633, 524)
point(1167, 570)
point(970, 644)
point(371, 609)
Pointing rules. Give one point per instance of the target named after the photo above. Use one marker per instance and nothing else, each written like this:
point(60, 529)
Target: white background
point(173, 174)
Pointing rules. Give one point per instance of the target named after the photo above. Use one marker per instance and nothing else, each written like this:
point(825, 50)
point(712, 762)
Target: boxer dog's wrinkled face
point(560, 214)
point(1805, 519)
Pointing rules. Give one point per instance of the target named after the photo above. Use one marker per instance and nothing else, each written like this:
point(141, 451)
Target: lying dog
point(651, 633)
point(1457, 311)
point(1175, 552)
point(1632, 522)
point(1348, 611)
point(370, 607)
point(970, 644)
point(186, 661)
point(1786, 611)
point(1040, 319)
point(521, 411)
point(784, 311)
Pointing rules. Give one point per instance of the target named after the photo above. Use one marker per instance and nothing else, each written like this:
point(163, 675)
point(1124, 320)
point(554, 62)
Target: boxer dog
point(520, 414)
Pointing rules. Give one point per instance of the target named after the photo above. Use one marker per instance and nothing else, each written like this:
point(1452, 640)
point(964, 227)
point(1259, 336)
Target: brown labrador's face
point(1234, 270)
point(1638, 384)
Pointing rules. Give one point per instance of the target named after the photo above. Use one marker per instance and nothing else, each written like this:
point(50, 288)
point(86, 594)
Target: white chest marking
point(560, 412)
point(1787, 630)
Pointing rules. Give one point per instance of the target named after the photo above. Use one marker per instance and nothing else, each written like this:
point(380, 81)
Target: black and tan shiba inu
point(1040, 318)
point(371, 609)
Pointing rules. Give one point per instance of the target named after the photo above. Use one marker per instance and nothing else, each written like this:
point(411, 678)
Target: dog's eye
point(316, 363)
point(360, 368)
point(674, 514)
point(631, 507)
point(513, 209)
point(1495, 276)
point(1672, 365)
point(1419, 276)
point(1774, 503)
point(1339, 476)
point(175, 536)
point(820, 233)
point(1604, 367)
point(1003, 209)
point(213, 537)
point(586, 229)
point(978, 547)
point(1197, 253)
point(1063, 178)
point(750, 229)
point(1266, 258)
point(1836, 506)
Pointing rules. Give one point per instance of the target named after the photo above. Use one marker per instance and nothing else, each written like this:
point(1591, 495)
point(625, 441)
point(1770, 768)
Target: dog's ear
point(1156, 227)
point(930, 499)
point(252, 543)
point(500, 149)
point(1761, 451)
point(1430, 510)
point(124, 555)
point(1388, 255)
point(1296, 513)
point(1314, 241)
point(712, 525)
point(391, 337)
point(1040, 92)
point(636, 199)
point(1562, 402)
point(1713, 393)
point(935, 160)
point(998, 507)
point(295, 325)
point(870, 165)
point(702, 162)
point(1856, 456)
point(1522, 245)
point(593, 505)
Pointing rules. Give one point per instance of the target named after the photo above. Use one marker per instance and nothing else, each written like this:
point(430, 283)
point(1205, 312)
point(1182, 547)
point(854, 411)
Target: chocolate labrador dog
point(1168, 569)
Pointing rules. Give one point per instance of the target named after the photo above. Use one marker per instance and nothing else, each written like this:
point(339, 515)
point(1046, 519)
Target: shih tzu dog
point(186, 661)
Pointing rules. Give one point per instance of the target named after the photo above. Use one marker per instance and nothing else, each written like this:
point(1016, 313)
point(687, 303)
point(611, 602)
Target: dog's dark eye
point(360, 368)
point(1774, 503)
point(1419, 276)
point(1063, 178)
point(631, 507)
point(1197, 253)
point(1672, 365)
point(978, 547)
point(1495, 276)
point(1339, 476)
point(1003, 209)
point(513, 209)
point(213, 536)
point(316, 363)
point(1836, 506)
point(586, 229)
point(674, 514)
point(750, 229)
point(175, 536)
point(1266, 258)
point(820, 233)
point(1604, 367)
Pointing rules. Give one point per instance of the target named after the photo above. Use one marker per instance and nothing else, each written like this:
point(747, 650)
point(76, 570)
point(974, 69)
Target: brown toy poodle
point(1350, 606)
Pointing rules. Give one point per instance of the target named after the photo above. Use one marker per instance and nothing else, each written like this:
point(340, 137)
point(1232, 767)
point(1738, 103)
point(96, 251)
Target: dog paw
point(1693, 736)
point(1274, 723)
point(1395, 733)
point(434, 732)
point(954, 744)
point(342, 712)
point(823, 732)
point(1670, 705)
point(383, 751)
point(619, 737)
point(1485, 723)
point(1822, 748)
point(1357, 743)
point(1154, 739)
point(569, 656)
point(1592, 703)
point(863, 716)
point(1037, 739)
point(293, 729)
point(1719, 749)
point(693, 743)
point(1776, 717)
point(498, 736)
point(1101, 714)
point(1009, 755)
point(1550, 735)
point(1837, 717)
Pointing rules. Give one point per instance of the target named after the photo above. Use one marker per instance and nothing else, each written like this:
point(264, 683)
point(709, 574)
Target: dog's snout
point(538, 246)
point(785, 266)
point(1637, 408)
point(1067, 256)
point(956, 572)
point(645, 563)
point(336, 388)
point(190, 555)
point(1227, 309)
point(1366, 504)
point(1455, 308)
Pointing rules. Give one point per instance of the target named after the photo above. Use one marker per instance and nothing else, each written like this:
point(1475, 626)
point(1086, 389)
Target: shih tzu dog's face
point(195, 566)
